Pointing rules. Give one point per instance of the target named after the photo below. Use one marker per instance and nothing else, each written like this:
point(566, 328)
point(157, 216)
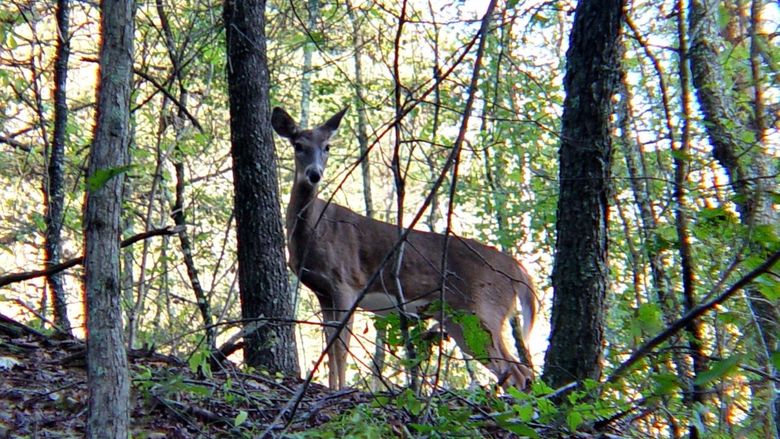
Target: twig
point(15, 143)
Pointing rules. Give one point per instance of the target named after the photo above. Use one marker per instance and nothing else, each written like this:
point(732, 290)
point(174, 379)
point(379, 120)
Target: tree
point(54, 190)
point(107, 372)
point(580, 269)
point(262, 276)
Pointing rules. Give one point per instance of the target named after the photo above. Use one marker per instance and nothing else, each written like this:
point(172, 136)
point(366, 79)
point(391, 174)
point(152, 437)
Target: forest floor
point(43, 394)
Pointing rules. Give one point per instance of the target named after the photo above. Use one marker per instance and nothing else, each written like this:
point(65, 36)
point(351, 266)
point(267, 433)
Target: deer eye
point(298, 146)
point(327, 148)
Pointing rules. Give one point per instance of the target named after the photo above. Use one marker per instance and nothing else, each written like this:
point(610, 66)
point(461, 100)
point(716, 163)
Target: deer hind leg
point(499, 359)
point(332, 314)
point(505, 365)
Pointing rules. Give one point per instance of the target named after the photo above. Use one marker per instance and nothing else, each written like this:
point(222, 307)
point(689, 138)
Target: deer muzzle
point(313, 174)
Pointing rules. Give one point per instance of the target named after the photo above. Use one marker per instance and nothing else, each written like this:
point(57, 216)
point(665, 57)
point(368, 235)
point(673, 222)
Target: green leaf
point(539, 388)
point(195, 361)
point(765, 234)
point(101, 176)
point(205, 367)
point(748, 137)
point(666, 237)
point(39, 220)
point(681, 155)
point(521, 430)
point(718, 213)
point(477, 339)
point(718, 369)
point(525, 412)
point(665, 383)
point(422, 428)
point(240, 418)
point(573, 420)
point(768, 286)
point(547, 408)
point(724, 16)
point(776, 359)
point(650, 317)
point(517, 395)
point(198, 390)
point(407, 400)
point(728, 317)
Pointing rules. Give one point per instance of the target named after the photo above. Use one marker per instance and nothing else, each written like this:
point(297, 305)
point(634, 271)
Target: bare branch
point(27, 275)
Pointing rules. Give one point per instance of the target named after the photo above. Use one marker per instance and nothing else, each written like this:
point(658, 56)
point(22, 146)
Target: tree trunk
point(313, 7)
point(107, 372)
point(262, 276)
point(580, 272)
point(694, 395)
point(54, 192)
point(747, 165)
point(360, 107)
point(359, 101)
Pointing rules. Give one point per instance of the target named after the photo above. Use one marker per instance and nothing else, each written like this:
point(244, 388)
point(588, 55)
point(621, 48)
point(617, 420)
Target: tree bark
point(107, 374)
point(54, 192)
point(262, 276)
point(580, 272)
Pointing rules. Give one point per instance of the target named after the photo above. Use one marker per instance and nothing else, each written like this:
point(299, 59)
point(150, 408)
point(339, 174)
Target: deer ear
point(283, 123)
point(333, 123)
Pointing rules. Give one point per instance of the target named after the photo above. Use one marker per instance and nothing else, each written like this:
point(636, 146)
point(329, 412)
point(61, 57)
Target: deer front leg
point(332, 314)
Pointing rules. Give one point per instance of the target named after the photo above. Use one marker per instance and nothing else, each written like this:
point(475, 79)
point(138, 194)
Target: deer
point(336, 252)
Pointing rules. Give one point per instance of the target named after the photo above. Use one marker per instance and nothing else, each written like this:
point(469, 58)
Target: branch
point(694, 314)
point(27, 275)
point(15, 143)
point(170, 96)
point(234, 343)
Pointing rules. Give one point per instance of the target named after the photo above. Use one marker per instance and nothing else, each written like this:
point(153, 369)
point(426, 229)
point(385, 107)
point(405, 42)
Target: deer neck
point(303, 211)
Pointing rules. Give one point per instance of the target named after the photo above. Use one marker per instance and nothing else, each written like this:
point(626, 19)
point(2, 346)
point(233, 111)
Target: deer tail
point(526, 293)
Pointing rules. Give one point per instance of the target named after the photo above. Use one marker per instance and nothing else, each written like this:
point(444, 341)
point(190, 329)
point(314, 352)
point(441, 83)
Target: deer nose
point(314, 174)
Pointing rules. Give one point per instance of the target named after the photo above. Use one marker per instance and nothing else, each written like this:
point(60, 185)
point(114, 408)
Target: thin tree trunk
point(580, 272)
point(179, 217)
point(694, 395)
point(313, 6)
point(54, 193)
point(107, 372)
point(400, 186)
point(360, 107)
point(262, 276)
point(359, 101)
point(430, 156)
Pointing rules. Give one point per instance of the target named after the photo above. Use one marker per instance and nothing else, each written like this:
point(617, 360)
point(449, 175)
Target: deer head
point(311, 146)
